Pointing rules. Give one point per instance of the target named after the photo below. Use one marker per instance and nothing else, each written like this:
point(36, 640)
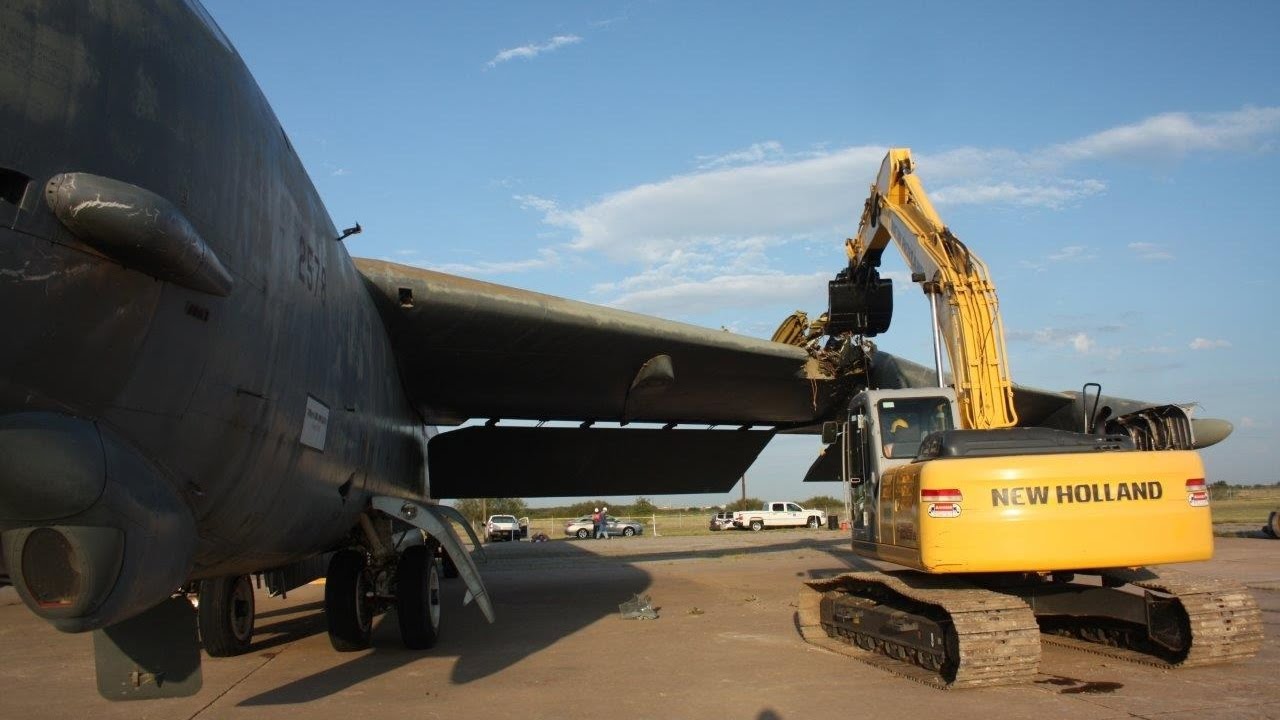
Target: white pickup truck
point(778, 514)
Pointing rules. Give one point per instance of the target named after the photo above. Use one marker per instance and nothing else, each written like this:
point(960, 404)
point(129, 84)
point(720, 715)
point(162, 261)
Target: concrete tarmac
point(725, 646)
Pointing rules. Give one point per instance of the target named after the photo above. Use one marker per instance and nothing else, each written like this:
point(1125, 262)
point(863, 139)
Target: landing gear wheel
point(225, 616)
point(449, 568)
point(418, 597)
point(346, 603)
point(628, 532)
point(583, 533)
point(757, 525)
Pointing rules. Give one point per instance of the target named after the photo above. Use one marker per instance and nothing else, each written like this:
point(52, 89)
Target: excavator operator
point(903, 438)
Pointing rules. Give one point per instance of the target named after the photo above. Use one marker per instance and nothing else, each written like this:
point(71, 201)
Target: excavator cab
point(908, 420)
point(884, 431)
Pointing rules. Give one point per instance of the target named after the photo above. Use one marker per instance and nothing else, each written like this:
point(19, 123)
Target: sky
point(1114, 163)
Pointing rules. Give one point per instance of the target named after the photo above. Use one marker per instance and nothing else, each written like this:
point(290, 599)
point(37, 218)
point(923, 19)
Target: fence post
point(654, 520)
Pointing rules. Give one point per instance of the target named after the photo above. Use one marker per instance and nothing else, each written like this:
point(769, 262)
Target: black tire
point(225, 617)
point(583, 534)
point(757, 525)
point(628, 531)
point(418, 598)
point(346, 607)
point(813, 522)
point(448, 568)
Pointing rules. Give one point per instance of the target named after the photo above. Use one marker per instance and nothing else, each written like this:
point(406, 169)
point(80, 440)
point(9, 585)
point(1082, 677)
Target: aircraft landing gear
point(348, 601)
point(418, 597)
point(449, 568)
point(383, 567)
point(225, 617)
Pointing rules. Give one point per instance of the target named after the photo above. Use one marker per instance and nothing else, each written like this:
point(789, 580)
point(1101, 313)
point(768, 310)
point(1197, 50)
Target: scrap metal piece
point(639, 607)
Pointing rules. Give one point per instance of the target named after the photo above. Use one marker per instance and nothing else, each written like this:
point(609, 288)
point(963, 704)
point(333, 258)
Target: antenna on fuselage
point(350, 231)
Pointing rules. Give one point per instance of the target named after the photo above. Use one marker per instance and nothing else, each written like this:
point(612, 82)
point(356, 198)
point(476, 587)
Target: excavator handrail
point(898, 209)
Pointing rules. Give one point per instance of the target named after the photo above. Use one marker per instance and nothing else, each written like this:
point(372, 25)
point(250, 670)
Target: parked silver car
point(583, 528)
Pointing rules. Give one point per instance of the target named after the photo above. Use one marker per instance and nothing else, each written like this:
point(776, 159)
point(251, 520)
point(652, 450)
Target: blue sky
point(1114, 163)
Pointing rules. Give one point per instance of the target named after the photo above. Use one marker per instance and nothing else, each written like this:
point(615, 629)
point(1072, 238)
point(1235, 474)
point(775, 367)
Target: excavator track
point(990, 638)
point(1223, 622)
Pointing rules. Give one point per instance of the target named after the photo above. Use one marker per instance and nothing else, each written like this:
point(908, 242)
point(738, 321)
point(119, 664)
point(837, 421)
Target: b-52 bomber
point(198, 383)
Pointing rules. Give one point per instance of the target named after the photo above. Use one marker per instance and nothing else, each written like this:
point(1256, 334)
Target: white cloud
point(546, 258)
point(1150, 251)
point(1078, 340)
point(770, 151)
point(647, 222)
point(1207, 344)
point(724, 291)
point(1082, 343)
point(1054, 194)
point(1072, 253)
point(1175, 133)
point(719, 222)
point(532, 50)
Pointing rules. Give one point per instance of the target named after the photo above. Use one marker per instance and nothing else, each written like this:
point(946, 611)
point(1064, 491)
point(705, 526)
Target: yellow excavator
point(1011, 534)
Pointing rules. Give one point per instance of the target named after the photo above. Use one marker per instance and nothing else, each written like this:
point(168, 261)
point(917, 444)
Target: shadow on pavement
point(532, 614)
point(310, 622)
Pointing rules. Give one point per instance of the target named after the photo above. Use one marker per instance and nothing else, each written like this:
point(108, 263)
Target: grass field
point(1244, 504)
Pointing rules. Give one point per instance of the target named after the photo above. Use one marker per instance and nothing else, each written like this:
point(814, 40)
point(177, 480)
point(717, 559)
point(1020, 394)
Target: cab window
point(904, 422)
point(792, 507)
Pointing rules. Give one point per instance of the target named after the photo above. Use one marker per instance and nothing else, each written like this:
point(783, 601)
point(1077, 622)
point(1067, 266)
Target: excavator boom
point(898, 209)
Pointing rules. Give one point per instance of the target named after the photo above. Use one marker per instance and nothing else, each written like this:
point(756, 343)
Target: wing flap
point(476, 462)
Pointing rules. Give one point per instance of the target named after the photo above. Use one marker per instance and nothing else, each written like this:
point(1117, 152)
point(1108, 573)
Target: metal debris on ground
point(639, 607)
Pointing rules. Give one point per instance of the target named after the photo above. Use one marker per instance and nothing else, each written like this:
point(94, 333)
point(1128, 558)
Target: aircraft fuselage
point(205, 424)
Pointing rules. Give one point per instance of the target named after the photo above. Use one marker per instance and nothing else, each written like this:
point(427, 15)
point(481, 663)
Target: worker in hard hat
point(902, 439)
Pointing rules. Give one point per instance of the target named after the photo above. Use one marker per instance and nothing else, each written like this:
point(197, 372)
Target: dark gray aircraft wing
point(470, 349)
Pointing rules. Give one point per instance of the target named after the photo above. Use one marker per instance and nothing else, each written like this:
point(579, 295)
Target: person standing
point(595, 523)
point(604, 522)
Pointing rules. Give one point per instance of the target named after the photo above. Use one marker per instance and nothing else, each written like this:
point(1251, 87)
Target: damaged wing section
point(474, 462)
point(470, 349)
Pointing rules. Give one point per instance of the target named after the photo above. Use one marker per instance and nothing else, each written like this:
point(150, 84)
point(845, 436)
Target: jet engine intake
point(93, 533)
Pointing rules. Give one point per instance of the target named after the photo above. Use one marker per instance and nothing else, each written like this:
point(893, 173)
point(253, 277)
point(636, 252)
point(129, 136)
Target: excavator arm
point(955, 278)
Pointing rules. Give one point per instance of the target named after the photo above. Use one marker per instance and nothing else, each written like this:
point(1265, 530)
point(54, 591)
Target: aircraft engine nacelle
point(92, 533)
